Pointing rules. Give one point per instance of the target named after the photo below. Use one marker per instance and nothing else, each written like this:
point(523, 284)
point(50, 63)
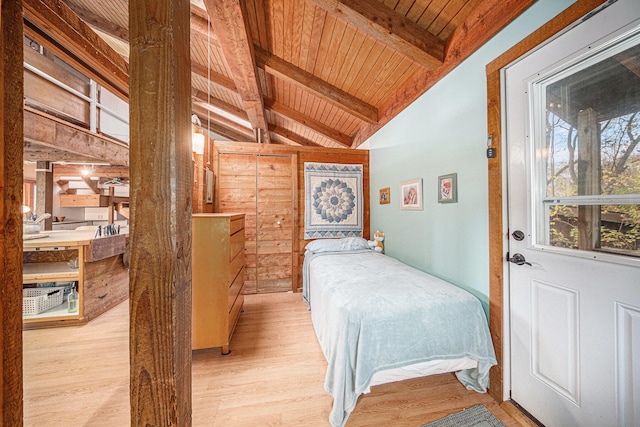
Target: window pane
point(593, 129)
point(590, 146)
point(618, 229)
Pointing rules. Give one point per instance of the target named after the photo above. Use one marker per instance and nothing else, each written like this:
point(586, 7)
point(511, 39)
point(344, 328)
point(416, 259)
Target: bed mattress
point(379, 320)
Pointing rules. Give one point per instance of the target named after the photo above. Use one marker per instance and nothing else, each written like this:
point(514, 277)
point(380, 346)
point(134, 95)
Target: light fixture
point(197, 142)
point(88, 171)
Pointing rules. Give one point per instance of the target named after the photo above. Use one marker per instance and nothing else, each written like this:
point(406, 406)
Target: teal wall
point(442, 132)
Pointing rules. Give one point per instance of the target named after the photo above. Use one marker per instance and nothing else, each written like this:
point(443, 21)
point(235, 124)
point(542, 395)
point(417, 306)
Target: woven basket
point(38, 300)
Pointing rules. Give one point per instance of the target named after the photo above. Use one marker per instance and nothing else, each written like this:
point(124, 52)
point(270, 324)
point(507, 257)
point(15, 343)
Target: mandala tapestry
point(333, 200)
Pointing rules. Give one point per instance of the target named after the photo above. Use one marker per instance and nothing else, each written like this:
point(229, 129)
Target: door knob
point(517, 259)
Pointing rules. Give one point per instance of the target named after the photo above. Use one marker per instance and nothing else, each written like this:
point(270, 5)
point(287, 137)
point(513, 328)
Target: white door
point(572, 127)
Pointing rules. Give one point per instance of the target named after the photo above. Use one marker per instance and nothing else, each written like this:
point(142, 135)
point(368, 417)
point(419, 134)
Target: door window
point(586, 128)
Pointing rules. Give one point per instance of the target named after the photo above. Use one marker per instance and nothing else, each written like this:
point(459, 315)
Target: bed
point(379, 320)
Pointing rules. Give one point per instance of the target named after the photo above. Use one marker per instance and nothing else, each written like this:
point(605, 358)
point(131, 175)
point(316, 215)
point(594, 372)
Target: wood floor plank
point(274, 376)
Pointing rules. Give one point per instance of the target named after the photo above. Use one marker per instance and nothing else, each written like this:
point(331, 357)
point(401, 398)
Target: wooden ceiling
point(323, 73)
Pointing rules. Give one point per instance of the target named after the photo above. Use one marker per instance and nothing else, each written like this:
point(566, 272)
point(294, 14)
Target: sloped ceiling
point(322, 73)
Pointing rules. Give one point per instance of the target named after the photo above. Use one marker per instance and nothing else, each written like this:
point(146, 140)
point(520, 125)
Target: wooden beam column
point(44, 189)
point(161, 184)
point(589, 178)
point(11, 133)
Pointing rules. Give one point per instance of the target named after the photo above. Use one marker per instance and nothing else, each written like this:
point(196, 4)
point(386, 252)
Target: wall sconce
point(197, 143)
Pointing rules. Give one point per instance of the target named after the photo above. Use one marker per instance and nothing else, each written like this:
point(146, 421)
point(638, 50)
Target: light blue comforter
point(371, 312)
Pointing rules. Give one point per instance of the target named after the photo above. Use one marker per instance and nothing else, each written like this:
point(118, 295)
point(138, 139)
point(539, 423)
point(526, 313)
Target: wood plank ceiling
point(314, 72)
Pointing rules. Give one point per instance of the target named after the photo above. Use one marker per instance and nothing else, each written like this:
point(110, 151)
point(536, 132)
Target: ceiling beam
point(229, 21)
point(308, 82)
point(487, 19)
point(200, 25)
point(64, 27)
point(213, 76)
point(35, 152)
point(100, 23)
point(222, 125)
point(98, 170)
point(198, 22)
point(290, 136)
point(54, 134)
point(309, 123)
point(390, 28)
point(224, 106)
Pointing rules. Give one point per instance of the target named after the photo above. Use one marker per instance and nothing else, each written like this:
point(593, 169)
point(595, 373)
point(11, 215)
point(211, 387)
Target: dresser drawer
point(234, 314)
point(236, 244)
point(234, 267)
point(236, 225)
point(236, 288)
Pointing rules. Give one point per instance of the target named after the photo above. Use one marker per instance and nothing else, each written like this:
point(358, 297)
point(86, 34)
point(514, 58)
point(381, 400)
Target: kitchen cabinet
point(217, 278)
point(100, 278)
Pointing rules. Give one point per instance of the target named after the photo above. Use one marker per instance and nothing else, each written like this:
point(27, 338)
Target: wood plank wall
point(300, 156)
point(202, 162)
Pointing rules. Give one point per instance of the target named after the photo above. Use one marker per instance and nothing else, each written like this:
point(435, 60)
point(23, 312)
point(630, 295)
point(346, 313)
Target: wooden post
point(44, 189)
point(11, 158)
point(161, 185)
point(589, 173)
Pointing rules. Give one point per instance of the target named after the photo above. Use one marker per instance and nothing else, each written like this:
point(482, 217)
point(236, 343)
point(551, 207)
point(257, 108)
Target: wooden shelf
point(60, 312)
point(48, 272)
point(83, 200)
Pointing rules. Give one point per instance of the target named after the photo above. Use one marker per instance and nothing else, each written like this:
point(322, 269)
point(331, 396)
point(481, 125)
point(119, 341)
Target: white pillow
point(337, 245)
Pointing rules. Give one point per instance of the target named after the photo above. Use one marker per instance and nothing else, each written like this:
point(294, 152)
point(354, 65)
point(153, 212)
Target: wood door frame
point(497, 234)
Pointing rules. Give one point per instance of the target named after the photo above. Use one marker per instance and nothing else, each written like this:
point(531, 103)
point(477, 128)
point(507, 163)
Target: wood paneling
point(240, 192)
point(106, 284)
point(486, 20)
point(261, 187)
point(47, 95)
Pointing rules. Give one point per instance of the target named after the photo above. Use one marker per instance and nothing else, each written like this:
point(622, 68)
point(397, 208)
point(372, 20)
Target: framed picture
point(447, 188)
point(209, 178)
point(411, 195)
point(385, 196)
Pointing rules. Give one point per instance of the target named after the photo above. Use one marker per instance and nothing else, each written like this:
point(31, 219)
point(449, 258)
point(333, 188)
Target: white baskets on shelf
point(38, 300)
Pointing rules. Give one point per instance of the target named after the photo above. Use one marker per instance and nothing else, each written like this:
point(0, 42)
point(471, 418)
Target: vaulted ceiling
point(314, 72)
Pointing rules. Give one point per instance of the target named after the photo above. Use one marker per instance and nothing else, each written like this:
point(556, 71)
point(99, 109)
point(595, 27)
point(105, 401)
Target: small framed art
point(448, 188)
point(411, 194)
point(385, 196)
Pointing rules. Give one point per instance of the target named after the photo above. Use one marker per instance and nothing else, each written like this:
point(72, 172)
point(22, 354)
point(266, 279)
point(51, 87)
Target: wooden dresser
point(217, 278)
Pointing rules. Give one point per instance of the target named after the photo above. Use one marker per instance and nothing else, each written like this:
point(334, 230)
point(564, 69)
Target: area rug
point(333, 200)
point(476, 416)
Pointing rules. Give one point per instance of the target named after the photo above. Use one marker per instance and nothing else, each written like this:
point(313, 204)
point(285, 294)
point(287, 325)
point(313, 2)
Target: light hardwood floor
point(79, 376)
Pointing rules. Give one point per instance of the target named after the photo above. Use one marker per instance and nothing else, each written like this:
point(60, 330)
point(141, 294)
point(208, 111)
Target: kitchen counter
point(101, 278)
point(51, 238)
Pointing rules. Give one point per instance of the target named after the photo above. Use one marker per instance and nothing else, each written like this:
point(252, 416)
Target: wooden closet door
point(262, 186)
point(237, 187)
point(275, 223)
